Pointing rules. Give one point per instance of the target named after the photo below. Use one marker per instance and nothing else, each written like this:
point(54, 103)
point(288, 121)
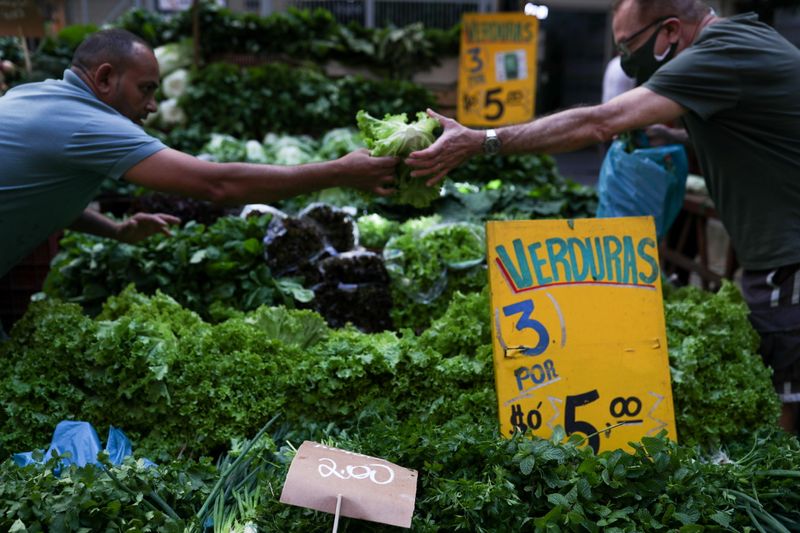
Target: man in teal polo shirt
point(734, 85)
point(59, 139)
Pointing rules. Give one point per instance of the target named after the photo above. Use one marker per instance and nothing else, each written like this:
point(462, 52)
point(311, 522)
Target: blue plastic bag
point(647, 181)
point(81, 441)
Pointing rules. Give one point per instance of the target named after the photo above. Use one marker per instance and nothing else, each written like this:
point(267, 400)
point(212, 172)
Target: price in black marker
point(618, 408)
point(493, 105)
point(521, 422)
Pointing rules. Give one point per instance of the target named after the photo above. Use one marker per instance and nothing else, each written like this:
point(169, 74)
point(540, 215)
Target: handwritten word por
point(535, 374)
point(369, 471)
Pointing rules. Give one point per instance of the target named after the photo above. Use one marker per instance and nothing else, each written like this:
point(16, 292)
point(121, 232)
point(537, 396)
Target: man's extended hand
point(455, 145)
point(362, 171)
point(143, 225)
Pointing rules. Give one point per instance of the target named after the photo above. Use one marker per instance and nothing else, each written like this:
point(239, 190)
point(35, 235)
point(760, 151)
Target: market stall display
point(359, 322)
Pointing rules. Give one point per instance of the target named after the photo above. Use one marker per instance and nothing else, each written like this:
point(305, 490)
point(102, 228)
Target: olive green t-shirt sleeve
point(700, 79)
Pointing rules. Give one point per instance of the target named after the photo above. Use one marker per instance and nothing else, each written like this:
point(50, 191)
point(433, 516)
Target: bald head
point(116, 47)
point(648, 10)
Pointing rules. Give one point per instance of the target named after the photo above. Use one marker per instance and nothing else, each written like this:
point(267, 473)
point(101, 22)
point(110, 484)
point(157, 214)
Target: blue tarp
point(81, 441)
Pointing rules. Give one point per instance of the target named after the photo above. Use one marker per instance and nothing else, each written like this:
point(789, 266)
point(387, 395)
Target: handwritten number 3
point(475, 55)
point(525, 308)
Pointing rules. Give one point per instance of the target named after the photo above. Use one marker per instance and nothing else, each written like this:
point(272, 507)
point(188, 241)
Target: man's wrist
point(118, 229)
point(477, 137)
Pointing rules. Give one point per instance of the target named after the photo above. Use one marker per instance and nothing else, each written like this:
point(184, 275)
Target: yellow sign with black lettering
point(497, 69)
point(578, 329)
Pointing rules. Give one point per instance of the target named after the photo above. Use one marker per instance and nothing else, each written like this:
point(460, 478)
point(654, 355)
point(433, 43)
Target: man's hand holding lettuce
point(394, 136)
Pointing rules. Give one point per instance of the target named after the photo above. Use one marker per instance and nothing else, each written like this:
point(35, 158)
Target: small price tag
point(497, 69)
point(578, 326)
point(367, 488)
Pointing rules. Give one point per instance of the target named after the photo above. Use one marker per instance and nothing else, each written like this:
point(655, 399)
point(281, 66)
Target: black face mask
point(643, 63)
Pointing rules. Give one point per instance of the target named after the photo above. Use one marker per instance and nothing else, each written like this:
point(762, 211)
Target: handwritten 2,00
point(376, 473)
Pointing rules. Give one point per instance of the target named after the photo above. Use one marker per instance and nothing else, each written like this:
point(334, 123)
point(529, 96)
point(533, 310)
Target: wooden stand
point(697, 211)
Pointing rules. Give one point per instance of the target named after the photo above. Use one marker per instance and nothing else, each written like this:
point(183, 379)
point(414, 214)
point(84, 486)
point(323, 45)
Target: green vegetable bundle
point(395, 136)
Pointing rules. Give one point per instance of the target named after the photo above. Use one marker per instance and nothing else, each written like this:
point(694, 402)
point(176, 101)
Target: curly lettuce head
point(394, 136)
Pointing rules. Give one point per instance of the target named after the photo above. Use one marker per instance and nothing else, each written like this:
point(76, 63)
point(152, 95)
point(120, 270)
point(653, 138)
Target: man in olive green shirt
point(734, 85)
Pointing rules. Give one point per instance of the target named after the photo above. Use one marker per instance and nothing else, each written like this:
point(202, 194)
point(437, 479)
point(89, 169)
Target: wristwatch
point(491, 143)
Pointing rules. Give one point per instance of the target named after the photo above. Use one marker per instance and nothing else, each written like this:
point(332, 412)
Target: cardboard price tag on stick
point(351, 484)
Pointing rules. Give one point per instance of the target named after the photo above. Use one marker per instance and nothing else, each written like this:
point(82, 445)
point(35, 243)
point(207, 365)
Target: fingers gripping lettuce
point(394, 136)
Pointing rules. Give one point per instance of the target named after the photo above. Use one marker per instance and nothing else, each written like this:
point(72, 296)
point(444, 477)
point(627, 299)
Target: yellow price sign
point(578, 329)
point(497, 69)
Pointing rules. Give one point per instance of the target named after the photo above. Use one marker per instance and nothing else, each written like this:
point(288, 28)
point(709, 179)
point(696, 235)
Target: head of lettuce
point(393, 135)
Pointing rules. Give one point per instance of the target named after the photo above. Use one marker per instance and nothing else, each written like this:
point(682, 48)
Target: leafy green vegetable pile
point(282, 98)
point(301, 34)
point(237, 265)
point(283, 149)
point(713, 350)
point(206, 268)
point(176, 383)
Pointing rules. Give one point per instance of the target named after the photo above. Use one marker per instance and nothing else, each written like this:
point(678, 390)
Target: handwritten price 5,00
point(355, 471)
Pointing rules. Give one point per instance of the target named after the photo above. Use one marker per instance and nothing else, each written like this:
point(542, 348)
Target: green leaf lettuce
point(394, 136)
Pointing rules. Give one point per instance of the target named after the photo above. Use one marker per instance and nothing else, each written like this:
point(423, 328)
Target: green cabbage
point(173, 56)
point(393, 135)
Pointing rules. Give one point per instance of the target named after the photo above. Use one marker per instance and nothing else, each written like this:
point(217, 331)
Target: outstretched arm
point(560, 132)
point(131, 230)
point(175, 172)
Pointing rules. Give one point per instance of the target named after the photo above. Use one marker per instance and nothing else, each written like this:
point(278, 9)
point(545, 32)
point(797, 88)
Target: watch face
point(491, 145)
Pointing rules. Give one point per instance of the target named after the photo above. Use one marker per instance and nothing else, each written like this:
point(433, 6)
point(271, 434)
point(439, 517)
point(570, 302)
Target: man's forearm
point(174, 172)
point(245, 182)
point(561, 132)
point(583, 126)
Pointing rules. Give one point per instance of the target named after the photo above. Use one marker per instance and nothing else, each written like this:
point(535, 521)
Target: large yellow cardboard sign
point(497, 69)
point(578, 329)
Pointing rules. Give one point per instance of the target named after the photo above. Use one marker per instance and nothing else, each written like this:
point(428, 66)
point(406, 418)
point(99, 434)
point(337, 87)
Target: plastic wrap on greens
point(336, 225)
point(394, 136)
point(292, 246)
point(461, 245)
point(374, 231)
point(355, 267)
point(418, 259)
point(355, 289)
